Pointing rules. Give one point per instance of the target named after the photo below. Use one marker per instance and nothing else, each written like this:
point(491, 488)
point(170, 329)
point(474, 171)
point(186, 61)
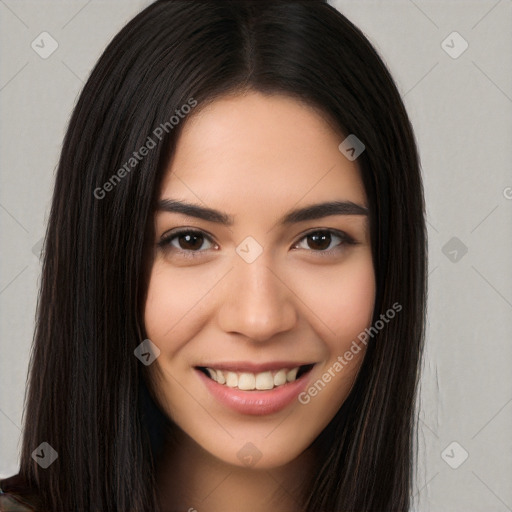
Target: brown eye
point(190, 242)
point(319, 241)
point(187, 242)
point(325, 241)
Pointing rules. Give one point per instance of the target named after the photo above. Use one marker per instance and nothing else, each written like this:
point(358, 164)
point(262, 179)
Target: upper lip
point(245, 366)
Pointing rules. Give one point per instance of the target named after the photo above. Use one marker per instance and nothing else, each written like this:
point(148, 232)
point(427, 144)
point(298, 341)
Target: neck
point(191, 479)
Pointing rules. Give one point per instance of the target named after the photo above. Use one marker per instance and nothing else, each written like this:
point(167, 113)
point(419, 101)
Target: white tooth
point(246, 381)
point(292, 374)
point(220, 377)
point(212, 373)
point(231, 379)
point(264, 380)
point(280, 378)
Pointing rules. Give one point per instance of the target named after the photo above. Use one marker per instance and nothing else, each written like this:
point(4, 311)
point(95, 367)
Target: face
point(242, 296)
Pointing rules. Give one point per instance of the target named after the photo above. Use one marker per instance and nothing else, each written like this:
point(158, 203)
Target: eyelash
point(165, 242)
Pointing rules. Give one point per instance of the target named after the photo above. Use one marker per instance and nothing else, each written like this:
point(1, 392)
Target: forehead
point(242, 153)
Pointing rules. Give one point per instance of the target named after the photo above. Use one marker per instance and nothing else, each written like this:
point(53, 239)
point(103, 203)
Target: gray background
point(461, 111)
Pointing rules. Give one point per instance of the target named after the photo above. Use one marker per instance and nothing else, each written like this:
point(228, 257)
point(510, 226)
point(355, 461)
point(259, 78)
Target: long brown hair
point(87, 396)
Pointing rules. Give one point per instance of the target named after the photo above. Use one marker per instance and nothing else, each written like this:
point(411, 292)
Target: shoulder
point(17, 496)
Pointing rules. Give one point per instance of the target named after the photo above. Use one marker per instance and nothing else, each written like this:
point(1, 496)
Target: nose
point(256, 301)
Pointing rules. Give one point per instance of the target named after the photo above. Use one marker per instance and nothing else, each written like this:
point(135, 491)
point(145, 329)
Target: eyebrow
point(311, 212)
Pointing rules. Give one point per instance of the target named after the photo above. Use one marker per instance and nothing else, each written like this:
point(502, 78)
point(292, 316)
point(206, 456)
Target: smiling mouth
point(247, 381)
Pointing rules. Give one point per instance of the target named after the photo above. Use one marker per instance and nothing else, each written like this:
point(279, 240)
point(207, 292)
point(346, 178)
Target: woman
point(232, 306)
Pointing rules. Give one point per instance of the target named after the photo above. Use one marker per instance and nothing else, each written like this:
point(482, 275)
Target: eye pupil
point(320, 239)
point(190, 239)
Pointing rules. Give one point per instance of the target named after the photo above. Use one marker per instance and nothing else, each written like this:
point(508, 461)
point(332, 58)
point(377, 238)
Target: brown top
point(17, 496)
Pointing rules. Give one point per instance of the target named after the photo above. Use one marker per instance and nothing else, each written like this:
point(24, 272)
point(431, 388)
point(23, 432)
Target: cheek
point(356, 301)
point(174, 305)
point(345, 305)
point(341, 298)
point(160, 309)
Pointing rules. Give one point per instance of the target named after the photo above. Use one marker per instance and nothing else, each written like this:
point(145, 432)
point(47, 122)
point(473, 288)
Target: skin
point(255, 157)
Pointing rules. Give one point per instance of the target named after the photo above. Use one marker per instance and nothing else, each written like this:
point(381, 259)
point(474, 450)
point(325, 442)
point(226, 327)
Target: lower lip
point(256, 403)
